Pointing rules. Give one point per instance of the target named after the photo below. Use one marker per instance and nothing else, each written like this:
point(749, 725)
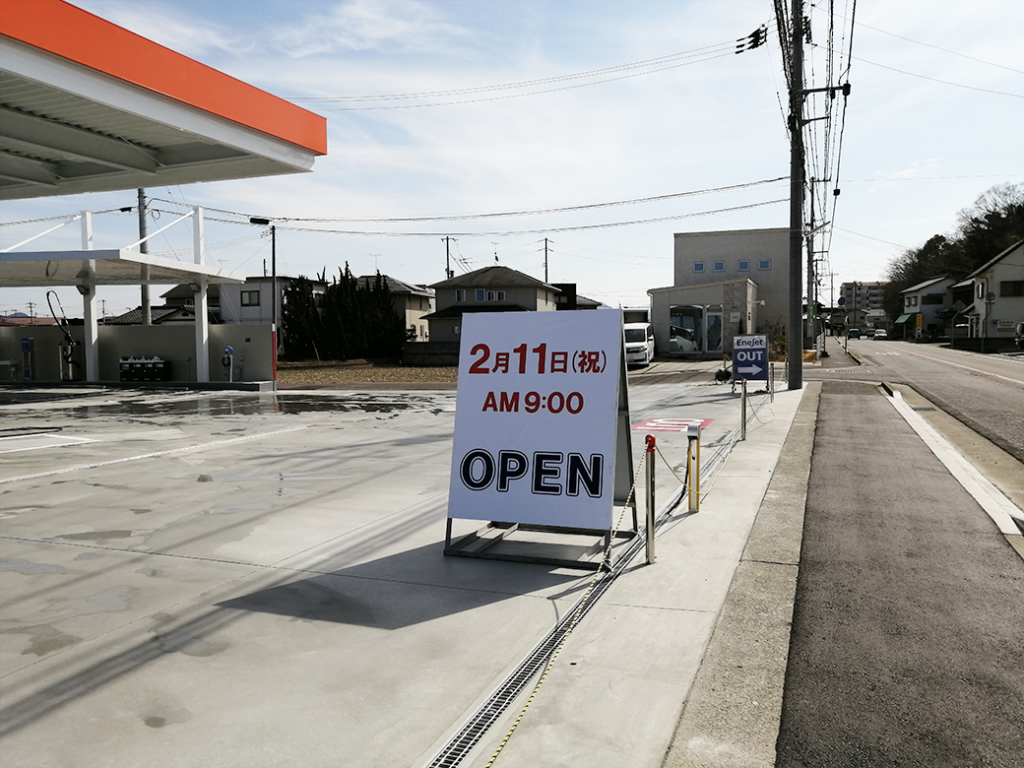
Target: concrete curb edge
point(731, 717)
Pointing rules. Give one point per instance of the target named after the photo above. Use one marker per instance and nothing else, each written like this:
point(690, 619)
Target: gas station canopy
point(88, 106)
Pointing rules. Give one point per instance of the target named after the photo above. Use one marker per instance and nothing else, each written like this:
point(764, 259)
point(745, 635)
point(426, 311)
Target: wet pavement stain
point(155, 722)
point(88, 556)
point(190, 645)
point(30, 568)
point(95, 535)
point(44, 639)
point(251, 405)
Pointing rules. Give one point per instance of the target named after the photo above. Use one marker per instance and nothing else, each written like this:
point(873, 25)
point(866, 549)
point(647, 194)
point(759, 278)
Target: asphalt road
point(907, 646)
point(985, 392)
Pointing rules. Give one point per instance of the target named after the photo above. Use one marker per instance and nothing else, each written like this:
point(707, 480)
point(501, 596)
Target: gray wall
point(731, 247)
point(253, 359)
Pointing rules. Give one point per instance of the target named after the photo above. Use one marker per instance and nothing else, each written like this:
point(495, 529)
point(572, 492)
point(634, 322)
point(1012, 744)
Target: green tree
point(302, 322)
point(990, 226)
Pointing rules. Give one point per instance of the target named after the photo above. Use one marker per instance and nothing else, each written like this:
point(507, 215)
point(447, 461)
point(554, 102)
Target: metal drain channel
point(456, 750)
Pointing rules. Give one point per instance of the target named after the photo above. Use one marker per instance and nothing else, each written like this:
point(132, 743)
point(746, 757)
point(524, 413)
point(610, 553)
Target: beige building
point(491, 289)
point(725, 283)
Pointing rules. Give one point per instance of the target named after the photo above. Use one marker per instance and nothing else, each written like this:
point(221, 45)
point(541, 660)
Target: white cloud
point(359, 25)
point(170, 26)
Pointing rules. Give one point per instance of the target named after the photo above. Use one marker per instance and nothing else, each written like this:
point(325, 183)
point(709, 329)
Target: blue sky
point(933, 121)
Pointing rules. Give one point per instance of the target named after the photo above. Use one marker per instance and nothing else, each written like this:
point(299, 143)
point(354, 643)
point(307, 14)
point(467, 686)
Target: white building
point(998, 295)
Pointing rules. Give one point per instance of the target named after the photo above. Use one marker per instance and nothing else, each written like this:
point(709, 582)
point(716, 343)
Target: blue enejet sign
point(750, 358)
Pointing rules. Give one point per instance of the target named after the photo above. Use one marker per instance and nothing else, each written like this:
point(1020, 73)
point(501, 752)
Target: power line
point(937, 80)
point(498, 214)
point(511, 233)
point(940, 48)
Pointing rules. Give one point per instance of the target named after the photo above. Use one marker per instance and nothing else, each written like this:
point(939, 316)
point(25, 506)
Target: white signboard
point(536, 418)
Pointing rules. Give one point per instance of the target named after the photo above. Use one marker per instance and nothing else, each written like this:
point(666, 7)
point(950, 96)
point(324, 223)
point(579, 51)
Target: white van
point(639, 343)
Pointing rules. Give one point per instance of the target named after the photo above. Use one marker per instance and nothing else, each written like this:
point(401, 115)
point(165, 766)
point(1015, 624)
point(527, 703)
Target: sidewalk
point(907, 644)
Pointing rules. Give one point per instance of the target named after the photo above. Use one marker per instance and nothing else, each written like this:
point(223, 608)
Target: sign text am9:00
point(556, 402)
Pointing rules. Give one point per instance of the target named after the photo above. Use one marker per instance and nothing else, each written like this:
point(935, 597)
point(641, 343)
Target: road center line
point(965, 367)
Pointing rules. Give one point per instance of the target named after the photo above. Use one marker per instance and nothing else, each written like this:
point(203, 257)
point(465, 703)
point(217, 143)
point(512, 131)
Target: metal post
point(771, 381)
point(650, 498)
point(742, 410)
point(693, 465)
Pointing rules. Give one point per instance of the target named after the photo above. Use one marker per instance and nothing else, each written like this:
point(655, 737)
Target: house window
point(1011, 288)
point(719, 266)
point(764, 264)
point(456, 330)
point(480, 294)
point(933, 298)
point(460, 294)
point(501, 295)
point(492, 296)
point(744, 265)
point(698, 266)
point(250, 298)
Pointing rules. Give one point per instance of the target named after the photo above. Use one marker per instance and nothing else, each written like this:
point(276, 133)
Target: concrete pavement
point(221, 580)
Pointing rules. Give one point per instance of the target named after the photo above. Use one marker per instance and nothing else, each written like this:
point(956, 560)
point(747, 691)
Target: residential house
point(491, 289)
point(998, 297)
point(569, 300)
point(925, 309)
point(725, 283)
point(412, 303)
point(183, 296)
point(166, 315)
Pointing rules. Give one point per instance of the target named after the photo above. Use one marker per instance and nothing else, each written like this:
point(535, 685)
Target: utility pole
point(812, 307)
point(448, 274)
point(545, 260)
point(147, 311)
point(796, 198)
point(273, 272)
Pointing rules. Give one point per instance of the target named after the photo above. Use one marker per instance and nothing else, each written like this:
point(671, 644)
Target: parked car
point(639, 343)
point(853, 333)
point(681, 341)
point(880, 334)
point(1018, 334)
point(869, 333)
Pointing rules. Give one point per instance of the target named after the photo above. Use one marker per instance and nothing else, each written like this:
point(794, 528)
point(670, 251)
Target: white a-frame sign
point(542, 433)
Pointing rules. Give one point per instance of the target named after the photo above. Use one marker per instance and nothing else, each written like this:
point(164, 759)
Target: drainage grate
point(495, 706)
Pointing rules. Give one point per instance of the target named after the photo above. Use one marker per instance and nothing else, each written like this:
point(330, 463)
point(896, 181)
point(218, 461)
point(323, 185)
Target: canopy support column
point(201, 301)
point(88, 290)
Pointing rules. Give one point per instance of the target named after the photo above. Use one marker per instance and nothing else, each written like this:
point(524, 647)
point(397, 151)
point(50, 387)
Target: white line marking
point(991, 499)
point(149, 455)
point(60, 441)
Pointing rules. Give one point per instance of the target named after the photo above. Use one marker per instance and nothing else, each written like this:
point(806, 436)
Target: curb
point(731, 717)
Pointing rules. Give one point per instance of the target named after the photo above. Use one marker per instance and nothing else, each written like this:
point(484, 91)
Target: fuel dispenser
point(228, 361)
